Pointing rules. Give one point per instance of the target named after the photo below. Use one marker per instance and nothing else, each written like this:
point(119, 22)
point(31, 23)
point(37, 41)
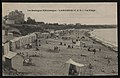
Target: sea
point(108, 35)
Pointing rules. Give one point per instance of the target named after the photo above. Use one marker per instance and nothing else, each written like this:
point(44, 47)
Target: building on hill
point(15, 17)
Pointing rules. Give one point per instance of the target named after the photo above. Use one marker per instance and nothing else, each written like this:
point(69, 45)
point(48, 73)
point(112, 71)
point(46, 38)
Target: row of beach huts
point(10, 44)
point(21, 41)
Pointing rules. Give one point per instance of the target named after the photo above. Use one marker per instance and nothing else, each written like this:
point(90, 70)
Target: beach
point(54, 63)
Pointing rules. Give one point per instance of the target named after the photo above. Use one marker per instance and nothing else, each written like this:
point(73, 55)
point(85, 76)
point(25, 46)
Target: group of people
point(27, 60)
point(108, 59)
point(62, 43)
point(56, 48)
point(94, 50)
point(27, 46)
point(68, 46)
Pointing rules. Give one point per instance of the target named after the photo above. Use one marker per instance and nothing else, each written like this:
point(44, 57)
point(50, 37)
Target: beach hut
point(5, 49)
point(38, 34)
point(70, 63)
point(12, 46)
point(82, 43)
point(7, 55)
point(45, 35)
point(21, 41)
point(16, 43)
point(77, 43)
point(8, 58)
point(33, 37)
point(10, 36)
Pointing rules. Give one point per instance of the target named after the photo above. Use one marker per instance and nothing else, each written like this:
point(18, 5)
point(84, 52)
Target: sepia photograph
point(59, 39)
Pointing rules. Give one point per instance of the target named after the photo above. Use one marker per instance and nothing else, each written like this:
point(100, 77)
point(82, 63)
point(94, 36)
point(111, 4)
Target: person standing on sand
point(72, 70)
point(90, 67)
point(108, 60)
point(94, 50)
point(99, 49)
point(27, 55)
point(60, 43)
point(89, 49)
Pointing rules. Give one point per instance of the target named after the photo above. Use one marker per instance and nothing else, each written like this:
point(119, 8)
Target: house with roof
point(15, 17)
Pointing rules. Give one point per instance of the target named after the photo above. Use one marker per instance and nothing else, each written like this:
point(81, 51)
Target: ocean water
point(107, 35)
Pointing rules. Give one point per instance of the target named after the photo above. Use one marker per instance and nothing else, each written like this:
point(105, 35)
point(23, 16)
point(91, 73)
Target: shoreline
point(104, 43)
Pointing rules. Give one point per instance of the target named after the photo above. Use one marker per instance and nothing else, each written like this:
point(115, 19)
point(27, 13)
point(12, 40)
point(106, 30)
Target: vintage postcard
point(59, 39)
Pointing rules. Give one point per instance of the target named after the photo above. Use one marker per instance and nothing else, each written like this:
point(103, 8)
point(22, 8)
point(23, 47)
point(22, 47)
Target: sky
point(102, 13)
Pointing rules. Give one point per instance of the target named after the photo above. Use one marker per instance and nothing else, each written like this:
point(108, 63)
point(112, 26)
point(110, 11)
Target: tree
point(40, 23)
point(31, 21)
point(5, 17)
point(78, 24)
point(55, 23)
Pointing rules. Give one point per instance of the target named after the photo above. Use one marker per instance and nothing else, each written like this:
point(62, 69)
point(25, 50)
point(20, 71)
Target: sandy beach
point(53, 63)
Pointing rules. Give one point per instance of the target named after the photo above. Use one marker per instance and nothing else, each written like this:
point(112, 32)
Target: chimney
point(16, 10)
point(21, 11)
